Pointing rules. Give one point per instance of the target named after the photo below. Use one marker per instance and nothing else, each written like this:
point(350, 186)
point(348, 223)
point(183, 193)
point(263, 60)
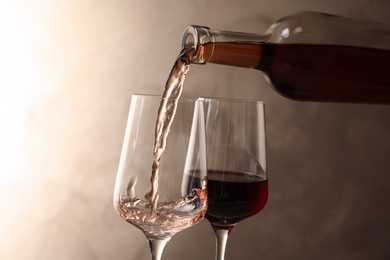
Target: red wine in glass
point(233, 197)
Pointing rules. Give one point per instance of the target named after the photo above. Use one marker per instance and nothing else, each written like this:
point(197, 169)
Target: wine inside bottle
point(311, 72)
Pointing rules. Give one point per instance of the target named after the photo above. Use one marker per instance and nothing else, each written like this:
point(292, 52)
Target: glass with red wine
point(237, 184)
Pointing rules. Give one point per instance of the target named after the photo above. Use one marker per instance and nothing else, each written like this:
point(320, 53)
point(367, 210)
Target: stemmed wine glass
point(237, 176)
point(162, 190)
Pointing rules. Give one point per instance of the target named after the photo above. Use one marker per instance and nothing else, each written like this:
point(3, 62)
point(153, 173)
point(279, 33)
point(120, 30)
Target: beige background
point(68, 70)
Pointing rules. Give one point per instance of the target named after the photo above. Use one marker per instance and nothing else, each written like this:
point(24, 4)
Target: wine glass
point(237, 176)
point(162, 189)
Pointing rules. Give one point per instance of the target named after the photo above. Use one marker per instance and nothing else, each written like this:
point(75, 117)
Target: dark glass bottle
point(308, 56)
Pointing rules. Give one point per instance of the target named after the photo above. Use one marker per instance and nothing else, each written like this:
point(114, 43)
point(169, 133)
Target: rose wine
point(168, 218)
point(314, 72)
point(233, 197)
point(165, 115)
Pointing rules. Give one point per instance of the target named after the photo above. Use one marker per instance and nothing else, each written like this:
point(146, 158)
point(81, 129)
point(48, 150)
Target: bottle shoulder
point(309, 27)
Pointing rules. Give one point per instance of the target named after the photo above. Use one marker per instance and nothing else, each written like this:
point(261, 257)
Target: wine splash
point(168, 218)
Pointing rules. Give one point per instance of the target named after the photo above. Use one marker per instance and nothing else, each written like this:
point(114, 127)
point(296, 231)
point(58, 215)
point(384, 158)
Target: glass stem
point(221, 237)
point(157, 247)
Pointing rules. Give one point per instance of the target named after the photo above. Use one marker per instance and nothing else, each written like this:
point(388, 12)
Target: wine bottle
point(307, 56)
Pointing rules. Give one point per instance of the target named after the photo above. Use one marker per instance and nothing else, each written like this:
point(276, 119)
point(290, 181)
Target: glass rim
point(237, 100)
point(181, 98)
point(185, 98)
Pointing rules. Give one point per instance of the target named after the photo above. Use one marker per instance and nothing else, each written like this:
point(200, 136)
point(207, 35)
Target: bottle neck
point(223, 47)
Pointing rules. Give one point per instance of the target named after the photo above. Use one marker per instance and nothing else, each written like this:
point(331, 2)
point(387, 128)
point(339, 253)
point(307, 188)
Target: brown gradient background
point(68, 70)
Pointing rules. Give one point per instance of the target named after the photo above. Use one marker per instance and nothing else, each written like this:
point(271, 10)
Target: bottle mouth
point(190, 38)
point(194, 37)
